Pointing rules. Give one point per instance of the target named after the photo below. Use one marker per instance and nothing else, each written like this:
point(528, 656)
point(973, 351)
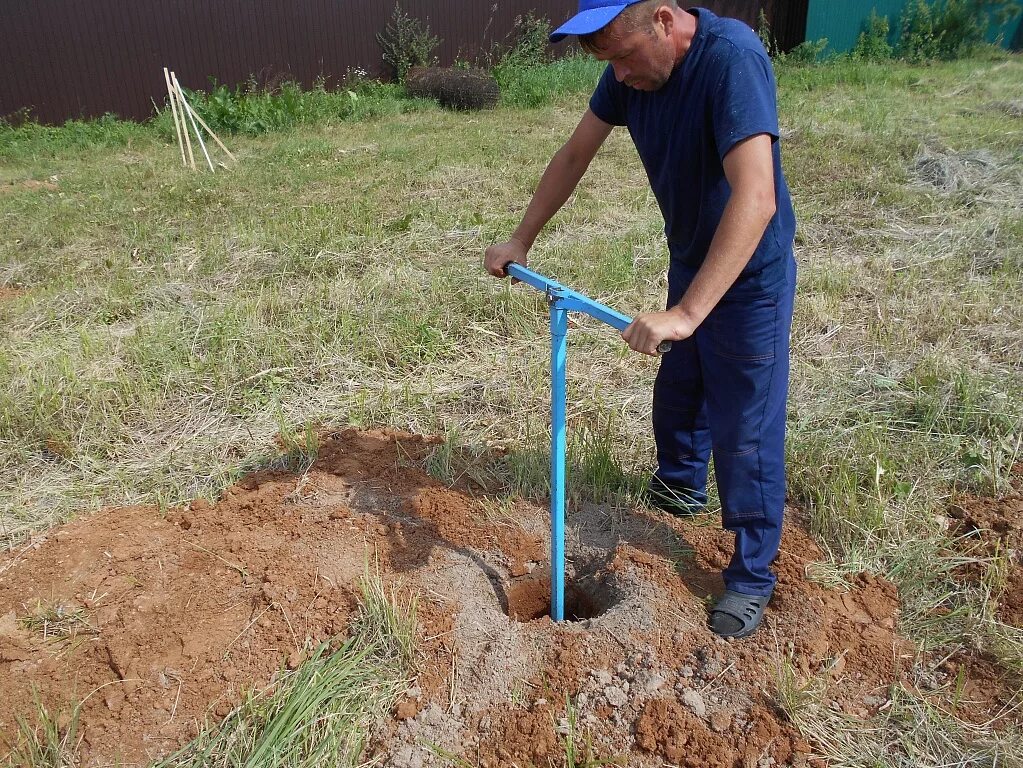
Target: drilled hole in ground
point(529, 599)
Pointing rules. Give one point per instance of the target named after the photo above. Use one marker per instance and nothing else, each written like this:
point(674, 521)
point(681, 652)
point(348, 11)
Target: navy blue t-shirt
point(722, 92)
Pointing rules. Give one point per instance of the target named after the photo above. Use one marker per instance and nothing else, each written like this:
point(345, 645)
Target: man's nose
point(621, 71)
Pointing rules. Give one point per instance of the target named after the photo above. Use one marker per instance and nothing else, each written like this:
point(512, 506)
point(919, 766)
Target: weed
point(807, 52)
point(766, 34)
point(578, 755)
point(872, 43)
point(536, 85)
point(300, 446)
point(249, 109)
point(529, 42)
point(406, 42)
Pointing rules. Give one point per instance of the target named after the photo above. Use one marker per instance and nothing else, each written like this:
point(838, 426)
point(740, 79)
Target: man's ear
point(664, 20)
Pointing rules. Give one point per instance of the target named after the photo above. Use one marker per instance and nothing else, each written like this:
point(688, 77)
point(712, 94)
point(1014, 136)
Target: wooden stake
point(190, 113)
point(213, 135)
point(174, 111)
point(188, 141)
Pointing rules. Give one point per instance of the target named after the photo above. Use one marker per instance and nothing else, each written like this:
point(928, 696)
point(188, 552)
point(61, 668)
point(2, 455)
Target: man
point(697, 93)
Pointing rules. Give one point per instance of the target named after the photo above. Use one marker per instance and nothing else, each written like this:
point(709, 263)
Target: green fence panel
point(1006, 34)
point(841, 22)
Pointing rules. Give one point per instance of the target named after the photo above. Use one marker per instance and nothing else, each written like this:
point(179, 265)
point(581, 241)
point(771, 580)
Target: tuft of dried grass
point(949, 171)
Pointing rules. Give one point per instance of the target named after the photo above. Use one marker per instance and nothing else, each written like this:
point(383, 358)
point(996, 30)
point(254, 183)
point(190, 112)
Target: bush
point(808, 52)
point(948, 29)
point(872, 44)
point(529, 41)
point(406, 43)
point(453, 87)
point(766, 35)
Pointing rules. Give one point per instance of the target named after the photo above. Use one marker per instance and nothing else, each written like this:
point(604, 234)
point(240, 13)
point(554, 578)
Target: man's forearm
point(739, 232)
point(556, 185)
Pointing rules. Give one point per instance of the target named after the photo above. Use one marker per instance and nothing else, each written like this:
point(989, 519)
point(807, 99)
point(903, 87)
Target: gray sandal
point(737, 615)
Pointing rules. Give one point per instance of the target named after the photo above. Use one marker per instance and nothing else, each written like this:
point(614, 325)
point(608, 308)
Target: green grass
point(52, 741)
point(540, 84)
point(577, 744)
point(170, 326)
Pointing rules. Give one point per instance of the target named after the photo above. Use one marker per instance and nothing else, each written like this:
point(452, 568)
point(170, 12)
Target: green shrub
point(872, 43)
point(948, 29)
point(406, 43)
point(529, 41)
point(808, 52)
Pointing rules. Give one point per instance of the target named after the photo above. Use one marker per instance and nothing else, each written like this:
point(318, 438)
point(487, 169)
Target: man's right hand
point(500, 255)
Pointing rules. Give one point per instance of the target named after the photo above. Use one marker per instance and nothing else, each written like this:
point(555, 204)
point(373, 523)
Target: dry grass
point(58, 623)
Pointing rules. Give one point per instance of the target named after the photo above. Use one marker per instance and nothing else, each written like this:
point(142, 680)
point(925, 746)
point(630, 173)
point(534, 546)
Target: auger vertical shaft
point(559, 353)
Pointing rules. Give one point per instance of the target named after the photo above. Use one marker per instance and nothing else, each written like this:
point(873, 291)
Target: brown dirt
point(994, 527)
point(8, 292)
point(31, 184)
point(184, 611)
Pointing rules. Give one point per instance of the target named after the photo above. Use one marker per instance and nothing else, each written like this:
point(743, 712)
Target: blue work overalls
point(723, 391)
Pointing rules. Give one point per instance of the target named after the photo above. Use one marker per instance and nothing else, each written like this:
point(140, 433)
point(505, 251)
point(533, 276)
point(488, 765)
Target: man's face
point(642, 59)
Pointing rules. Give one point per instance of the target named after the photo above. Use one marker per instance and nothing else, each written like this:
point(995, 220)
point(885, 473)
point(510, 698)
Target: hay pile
point(454, 88)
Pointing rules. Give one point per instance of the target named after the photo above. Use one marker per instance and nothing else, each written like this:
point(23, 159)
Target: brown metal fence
point(64, 59)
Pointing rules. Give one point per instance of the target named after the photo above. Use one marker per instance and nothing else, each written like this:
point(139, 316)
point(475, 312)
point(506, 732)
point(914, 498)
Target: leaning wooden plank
point(213, 135)
point(190, 113)
point(174, 112)
point(188, 141)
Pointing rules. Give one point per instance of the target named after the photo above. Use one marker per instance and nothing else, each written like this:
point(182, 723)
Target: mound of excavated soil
point(169, 617)
point(996, 527)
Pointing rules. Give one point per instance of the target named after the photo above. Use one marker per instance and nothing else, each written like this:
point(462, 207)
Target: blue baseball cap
point(592, 15)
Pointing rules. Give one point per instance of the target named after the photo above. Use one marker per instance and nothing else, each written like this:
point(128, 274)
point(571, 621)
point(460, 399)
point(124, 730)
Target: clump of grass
point(58, 622)
point(300, 446)
point(320, 713)
point(577, 744)
point(52, 742)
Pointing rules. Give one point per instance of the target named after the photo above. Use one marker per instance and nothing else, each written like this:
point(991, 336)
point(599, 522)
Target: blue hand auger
point(563, 300)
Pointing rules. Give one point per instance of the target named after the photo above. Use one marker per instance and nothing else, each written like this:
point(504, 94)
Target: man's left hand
point(648, 330)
